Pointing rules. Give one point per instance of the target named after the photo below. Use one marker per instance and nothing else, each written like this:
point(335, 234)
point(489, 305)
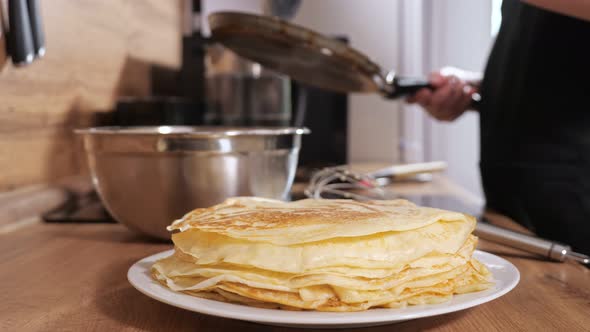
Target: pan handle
point(393, 86)
point(403, 86)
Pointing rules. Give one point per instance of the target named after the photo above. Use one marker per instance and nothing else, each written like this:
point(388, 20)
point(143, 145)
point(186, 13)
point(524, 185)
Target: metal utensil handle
point(409, 169)
point(528, 243)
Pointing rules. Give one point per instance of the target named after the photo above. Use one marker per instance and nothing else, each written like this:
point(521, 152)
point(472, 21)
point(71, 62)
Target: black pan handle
point(36, 27)
point(403, 86)
point(21, 46)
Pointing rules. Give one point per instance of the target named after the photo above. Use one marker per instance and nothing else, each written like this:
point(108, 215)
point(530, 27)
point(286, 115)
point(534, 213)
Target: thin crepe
point(309, 220)
point(334, 255)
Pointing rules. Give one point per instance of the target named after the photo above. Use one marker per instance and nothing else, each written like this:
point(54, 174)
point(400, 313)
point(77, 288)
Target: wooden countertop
point(73, 277)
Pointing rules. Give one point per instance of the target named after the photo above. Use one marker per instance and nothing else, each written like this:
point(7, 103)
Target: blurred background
point(415, 37)
point(152, 63)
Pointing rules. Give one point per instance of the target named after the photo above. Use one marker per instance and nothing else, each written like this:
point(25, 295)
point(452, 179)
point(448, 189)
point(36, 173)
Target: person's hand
point(449, 98)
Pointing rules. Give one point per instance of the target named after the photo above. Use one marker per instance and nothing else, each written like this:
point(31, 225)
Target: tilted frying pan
point(306, 55)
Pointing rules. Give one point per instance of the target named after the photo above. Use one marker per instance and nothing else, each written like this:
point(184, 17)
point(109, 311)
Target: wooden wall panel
point(97, 50)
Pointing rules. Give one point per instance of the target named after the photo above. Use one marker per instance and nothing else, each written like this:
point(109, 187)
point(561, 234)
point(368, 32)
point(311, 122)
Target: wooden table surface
point(72, 277)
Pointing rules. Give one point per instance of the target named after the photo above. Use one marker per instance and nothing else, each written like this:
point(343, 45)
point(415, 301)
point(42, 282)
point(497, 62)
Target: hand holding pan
point(306, 55)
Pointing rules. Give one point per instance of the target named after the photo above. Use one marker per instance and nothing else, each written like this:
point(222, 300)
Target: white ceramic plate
point(505, 274)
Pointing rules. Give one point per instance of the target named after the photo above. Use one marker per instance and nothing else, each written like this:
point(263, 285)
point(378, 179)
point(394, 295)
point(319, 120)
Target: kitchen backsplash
point(96, 52)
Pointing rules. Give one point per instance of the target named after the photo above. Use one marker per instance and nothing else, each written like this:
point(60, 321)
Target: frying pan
point(306, 55)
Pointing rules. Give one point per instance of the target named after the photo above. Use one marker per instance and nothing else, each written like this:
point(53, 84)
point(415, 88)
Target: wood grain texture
point(68, 277)
point(72, 277)
point(96, 51)
point(28, 204)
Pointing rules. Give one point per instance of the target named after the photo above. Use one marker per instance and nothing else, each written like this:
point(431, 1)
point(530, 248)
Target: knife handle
point(20, 35)
point(36, 27)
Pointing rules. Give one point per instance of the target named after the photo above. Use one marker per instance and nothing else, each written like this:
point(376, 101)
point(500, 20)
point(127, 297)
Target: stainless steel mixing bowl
point(149, 176)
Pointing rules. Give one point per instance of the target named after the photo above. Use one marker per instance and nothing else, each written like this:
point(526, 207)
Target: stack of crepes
point(326, 255)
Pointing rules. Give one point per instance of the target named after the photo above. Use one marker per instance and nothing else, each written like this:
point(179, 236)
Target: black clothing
point(535, 123)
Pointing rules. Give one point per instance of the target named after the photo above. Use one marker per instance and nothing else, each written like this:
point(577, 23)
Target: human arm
point(451, 94)
point(575, 8)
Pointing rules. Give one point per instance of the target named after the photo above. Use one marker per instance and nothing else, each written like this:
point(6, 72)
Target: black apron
point(535, 123)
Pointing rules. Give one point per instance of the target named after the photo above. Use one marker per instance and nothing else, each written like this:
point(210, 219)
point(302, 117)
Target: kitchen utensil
point(505, 275)
point(302, 53)
point(21, 45)
point(549, 249)
point(149, 176)
point(343, 182)
point(307, 56)
point(36, 27)
point(26, 38)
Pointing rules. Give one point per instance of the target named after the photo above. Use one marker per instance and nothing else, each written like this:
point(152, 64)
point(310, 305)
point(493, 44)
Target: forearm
point(575, 8)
